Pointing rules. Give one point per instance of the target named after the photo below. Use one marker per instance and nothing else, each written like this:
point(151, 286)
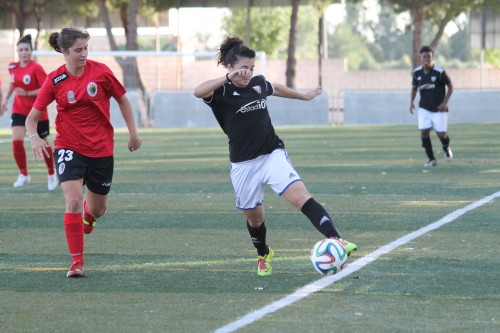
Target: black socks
point(427, 144)
point(258, 236)
point(445, 142)
point(319, 218)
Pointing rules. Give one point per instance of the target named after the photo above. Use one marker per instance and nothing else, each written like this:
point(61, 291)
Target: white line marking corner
point(351, 268)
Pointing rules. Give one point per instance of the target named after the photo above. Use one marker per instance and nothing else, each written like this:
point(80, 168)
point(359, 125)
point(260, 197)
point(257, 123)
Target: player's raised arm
point(206, 88)
point(283, 91)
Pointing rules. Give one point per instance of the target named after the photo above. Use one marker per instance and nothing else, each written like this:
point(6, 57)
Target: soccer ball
point(328, 256)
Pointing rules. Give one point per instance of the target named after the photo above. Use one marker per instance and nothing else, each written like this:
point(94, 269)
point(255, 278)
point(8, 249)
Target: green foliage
point(492, 57)
point(307, 33)
point(384, 44)
point(269, 28)
point(347, 42)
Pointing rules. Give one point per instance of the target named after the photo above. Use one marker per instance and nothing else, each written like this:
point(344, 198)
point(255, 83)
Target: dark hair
point(426, 48)
point(25, 40)
point(66, 38)
point(231, 49)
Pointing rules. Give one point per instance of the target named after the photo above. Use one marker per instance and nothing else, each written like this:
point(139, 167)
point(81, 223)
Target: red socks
point(49, 161)
point(73, 224)
point(20, 156)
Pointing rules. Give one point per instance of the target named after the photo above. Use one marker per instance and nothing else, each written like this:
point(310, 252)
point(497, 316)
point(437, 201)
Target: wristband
point(26, 93)
point(32, 136)
point(228, 79)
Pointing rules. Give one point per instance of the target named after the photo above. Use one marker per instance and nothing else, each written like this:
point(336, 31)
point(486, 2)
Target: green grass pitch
point(172, 254)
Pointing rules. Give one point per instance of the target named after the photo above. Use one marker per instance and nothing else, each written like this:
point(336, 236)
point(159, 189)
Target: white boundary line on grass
point(351, 268)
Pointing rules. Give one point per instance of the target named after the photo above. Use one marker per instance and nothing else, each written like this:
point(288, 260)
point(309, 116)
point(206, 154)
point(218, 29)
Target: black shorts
point(42, 127)
point(97, 172)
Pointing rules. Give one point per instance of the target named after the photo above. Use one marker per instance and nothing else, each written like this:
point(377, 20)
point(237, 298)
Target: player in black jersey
point(435, 91)
point(257, 155)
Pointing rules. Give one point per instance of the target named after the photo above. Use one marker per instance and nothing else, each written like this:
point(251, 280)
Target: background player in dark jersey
point(27, 76)
point(432, 82)
point(84, 142)
point(257, 155)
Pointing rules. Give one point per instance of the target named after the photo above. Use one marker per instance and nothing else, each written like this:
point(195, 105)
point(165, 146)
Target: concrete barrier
point(183, 109)
point(392, 107)
point(115, 115)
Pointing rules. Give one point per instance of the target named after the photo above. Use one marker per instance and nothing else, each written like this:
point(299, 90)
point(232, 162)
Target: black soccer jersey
point(432, 87)
point(242, 114)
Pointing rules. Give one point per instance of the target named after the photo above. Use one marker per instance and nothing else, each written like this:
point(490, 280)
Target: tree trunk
point(248, 36)
point(291, 62)
point(418, 23)
point(131, 76)
point(449, 15)
point(20, 15)
point(322, 47)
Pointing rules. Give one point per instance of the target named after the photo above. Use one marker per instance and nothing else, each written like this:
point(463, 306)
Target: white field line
point(351, 268)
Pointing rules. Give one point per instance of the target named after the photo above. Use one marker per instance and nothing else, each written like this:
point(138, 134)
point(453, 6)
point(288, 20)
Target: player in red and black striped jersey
point(435, 91)
point(84, 143)
point(27, 76)
point(257, 155)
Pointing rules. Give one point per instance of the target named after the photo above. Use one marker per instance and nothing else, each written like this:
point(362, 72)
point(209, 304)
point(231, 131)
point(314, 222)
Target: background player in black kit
point(257, 155)
point(432, 81)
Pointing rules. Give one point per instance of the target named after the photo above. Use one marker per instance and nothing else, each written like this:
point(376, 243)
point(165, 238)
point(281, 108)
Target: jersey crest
point(257, 89)
point(71, 97)
point(26, 79)
point(92, 89)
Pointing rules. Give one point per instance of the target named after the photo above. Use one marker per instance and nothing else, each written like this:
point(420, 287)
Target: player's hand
point(20, 91)
point(412, 108)
point(313, 93)
point(442, 107)
point(39, 148)
point(242, 72)
point(3, 108)
point(134, 143)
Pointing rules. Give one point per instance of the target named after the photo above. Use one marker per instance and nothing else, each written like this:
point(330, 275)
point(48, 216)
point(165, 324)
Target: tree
point(347, 42)
point(291, 62)
point(320, 7)
point(272, 39)
point(128, 15)
point(391, 42)
point(437, 12)
point(22, 10)
point(128, 12)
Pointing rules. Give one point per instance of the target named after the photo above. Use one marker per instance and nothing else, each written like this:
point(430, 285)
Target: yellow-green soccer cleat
point(264, 264)
point(348, 247)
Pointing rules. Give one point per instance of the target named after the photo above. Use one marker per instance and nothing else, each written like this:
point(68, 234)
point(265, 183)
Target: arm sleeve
point(115, 88)
point(414, 82)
